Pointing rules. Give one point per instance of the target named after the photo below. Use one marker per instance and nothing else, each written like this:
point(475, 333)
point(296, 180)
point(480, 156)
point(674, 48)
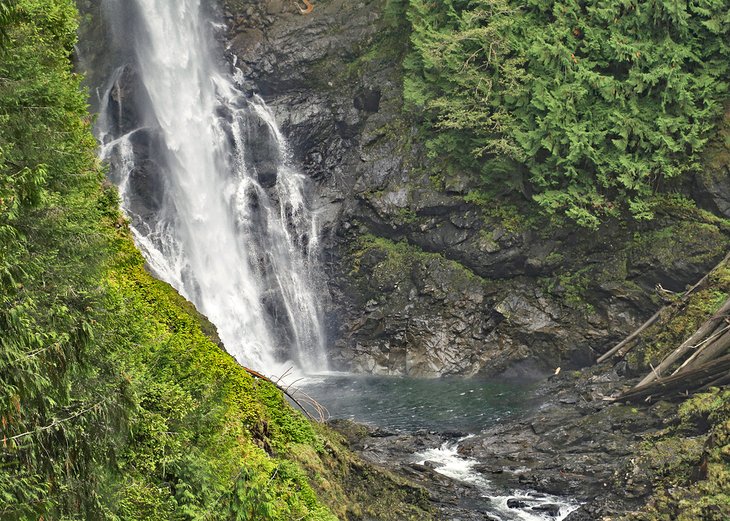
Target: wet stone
point(516, 503)
point(550, 509)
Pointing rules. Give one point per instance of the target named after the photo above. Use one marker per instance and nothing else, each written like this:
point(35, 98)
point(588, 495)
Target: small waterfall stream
point(208, 184)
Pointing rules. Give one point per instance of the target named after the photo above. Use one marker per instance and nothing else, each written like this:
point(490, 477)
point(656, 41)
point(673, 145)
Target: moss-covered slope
point(116, 402)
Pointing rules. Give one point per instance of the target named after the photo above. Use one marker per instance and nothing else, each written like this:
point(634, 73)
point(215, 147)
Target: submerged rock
point(516, 503)
point(550, 509)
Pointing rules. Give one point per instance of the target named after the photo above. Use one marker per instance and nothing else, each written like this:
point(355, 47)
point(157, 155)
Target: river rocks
point(550, 509)
point(574, 445)
point(516, 503)
point(580, 449)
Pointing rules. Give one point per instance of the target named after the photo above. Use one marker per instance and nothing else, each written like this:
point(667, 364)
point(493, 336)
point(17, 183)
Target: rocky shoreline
point(575, 443)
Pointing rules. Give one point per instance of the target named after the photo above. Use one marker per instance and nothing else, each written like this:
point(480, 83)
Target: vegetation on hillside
point(114, 403)
point(589, 107)
point(686, 463)
point(59, 398)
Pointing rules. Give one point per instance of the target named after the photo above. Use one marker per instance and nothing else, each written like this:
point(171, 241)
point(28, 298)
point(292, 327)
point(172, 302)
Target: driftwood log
point(712, 327)
point(714, 373)
point(700, 361)
point(709, 351)
point(625, 345)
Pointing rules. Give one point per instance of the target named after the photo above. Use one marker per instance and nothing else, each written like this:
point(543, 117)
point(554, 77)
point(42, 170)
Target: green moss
point(200, 419)
point(574, 287)
point(689, 465)
point(670, 244)
point(508, 214)
point(349, 485)
point(399, 258)
point(407, 216)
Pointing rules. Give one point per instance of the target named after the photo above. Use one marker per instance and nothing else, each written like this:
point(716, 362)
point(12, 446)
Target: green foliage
point(206, 439)
point(7, 17)
point(711, 408)
point(61, 401)
point(114, 403)
point(252, 498)
point(589, 106)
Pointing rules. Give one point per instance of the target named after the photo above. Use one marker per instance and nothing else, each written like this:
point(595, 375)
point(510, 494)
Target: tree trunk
point(689, 380)
point(706, 329)
point(631, 337)
point(709, 351)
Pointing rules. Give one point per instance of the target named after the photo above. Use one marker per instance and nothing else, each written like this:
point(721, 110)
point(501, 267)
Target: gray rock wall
point(423, 282)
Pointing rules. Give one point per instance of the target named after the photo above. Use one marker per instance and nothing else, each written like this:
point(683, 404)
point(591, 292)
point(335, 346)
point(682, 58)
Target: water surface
point(412, 404)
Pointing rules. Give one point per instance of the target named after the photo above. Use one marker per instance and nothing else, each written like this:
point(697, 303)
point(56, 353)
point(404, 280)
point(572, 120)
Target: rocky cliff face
point(426, 279)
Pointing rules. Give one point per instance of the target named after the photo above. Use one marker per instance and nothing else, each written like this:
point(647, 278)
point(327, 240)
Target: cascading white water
point(240, 249)
point(527, 506)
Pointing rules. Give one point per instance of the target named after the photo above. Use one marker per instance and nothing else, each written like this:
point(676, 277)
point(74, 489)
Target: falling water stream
point(207, 182)
point(219, 212)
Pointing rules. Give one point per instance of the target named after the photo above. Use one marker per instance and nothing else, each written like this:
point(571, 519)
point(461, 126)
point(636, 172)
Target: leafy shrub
point(588, 106)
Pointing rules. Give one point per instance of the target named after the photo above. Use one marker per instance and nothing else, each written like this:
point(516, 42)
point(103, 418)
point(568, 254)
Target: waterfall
point(206, 179)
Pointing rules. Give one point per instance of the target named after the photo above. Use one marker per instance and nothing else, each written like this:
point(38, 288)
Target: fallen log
point(623, 347)
point(688, 381)
point(706, 329)
point(709, 351)
point(615, 349)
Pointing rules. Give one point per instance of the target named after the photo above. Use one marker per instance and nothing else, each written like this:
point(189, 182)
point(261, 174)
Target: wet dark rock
point(516, 503)
point(600, 509)
point(146, 184)
point(262, 150)
point(267, 174)
point(368, 100)
point(127, 101)
point(535, 299)
point(549, 508)
point(712, 185)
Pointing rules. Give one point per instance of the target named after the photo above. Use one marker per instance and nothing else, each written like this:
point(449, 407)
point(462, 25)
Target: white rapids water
point(452, 465)
point(220, 238)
